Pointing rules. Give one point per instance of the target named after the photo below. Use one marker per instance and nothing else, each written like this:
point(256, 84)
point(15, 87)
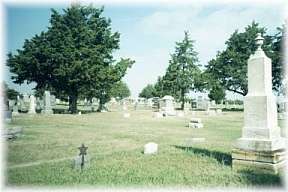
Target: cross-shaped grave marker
point(83, 152)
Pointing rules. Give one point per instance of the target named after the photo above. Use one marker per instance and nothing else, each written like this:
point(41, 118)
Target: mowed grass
point(43, 155)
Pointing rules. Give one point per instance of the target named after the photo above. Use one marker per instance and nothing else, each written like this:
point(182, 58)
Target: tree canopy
point(217, 93)
point(230, 66)
point(120, 90)
point(182, 74)
point(73, 57)
point(148, 92)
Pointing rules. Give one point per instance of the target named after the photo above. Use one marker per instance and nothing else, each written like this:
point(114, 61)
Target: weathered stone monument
point(4, 105)
point(168, 106)
point(150, 102)
point(211, 108)
point(261, 147)
point(156, 104)
point(201, 103)
point(53, 100)
point(26, 98)
point(32, 105)
point(15, 108)
point(187, 107)
point(47, 103)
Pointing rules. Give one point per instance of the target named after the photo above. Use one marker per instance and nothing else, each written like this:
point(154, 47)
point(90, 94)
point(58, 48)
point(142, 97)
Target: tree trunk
point(73, 103)
point(182, 99)
point(101, 105)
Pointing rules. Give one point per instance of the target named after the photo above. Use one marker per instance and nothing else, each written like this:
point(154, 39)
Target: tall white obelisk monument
point(261, 145)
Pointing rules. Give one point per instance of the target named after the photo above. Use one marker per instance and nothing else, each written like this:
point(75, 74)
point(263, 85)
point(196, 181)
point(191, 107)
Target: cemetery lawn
point(43, 155)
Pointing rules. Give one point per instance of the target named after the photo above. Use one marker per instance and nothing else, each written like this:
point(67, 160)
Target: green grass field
point(43, 155)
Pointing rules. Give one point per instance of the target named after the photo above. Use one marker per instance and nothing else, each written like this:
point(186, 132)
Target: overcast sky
point(149, 32)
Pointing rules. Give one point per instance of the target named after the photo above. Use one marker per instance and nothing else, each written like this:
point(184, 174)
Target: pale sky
point(149, 32)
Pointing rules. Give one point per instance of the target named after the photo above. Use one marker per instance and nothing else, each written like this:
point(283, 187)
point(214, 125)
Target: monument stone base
point(260, 161)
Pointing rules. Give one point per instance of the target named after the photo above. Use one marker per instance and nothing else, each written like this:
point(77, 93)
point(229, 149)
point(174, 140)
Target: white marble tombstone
point(15, 107)
point(32, 105)
point(168, 106)
point(150, 102)
point(52, 100)
point(47, 103)
point(261, 145)
point(25, 98)
point(150, 148)
point(124, 106)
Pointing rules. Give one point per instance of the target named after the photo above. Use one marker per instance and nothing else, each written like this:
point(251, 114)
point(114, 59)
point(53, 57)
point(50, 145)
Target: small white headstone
point(168, 106)
point(32, 106)
point(150, 148)
point(79, 113)
point(126, 115)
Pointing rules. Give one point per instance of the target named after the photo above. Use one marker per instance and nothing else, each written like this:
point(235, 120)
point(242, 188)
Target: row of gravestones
point(32, 104)
point(136, 104)
point(261, 145)
point(205, 104)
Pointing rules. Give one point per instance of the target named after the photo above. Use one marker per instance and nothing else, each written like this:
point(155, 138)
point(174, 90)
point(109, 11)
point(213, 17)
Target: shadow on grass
point(223, 158)
point(261, 179)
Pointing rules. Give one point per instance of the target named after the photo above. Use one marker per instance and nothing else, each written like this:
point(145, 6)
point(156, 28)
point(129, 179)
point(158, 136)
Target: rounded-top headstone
point(168, 97)
point(150, 148)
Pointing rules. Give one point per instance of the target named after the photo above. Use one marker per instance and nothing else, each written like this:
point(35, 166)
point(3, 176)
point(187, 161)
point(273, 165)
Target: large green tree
point(148, 91)
point(158, 88)
point(217, 93)
point(74, 55)
point(183, 71)
point(277, 55)
point(229, 67)
point(120, 90)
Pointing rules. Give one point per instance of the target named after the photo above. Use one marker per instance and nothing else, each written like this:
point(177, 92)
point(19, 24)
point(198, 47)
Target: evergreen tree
point(277, 55)
point(230, 66)
point(74, 56)
point(158, 88)
point(120, 90)
point(183, 72)
point(217, 93)
point(148, 92)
